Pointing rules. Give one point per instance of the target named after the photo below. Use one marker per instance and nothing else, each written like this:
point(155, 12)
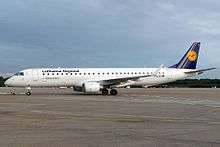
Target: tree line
point(2, 80)
point(187, 83)
point(195, 83)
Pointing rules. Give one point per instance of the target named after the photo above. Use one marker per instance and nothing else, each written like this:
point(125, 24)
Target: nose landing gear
point(28, 93)
point(12, 92)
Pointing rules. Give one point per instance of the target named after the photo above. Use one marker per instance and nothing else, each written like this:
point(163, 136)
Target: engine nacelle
point(91, 87)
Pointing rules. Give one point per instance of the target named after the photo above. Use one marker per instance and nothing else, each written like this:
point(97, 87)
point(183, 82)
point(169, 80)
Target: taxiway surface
point(136, 117)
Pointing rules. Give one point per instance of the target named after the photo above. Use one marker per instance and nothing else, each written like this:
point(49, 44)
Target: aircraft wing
point(199, 71)
point(117, 81)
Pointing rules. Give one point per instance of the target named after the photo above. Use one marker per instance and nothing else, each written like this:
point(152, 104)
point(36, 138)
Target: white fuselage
point(69, 77)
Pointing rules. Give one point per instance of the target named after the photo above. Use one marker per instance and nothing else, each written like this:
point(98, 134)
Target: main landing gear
point(112, 91)
point(28, 93)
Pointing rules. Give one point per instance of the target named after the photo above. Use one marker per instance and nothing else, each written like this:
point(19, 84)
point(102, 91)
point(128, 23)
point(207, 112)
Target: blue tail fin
point(189, 60)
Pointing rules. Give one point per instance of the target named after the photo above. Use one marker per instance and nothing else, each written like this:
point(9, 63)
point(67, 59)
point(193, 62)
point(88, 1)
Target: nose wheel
point(28, 93)
point(12, 92)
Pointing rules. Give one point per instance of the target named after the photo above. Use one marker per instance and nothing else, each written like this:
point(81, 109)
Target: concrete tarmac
point(134, 118)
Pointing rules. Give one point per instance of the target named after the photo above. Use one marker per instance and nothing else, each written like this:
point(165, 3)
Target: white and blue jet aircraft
point(106, 80)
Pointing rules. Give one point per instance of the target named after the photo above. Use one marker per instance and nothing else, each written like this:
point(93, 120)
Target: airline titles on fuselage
point(64, 70)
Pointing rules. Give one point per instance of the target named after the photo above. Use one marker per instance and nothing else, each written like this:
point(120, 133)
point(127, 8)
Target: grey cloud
point(103, 33)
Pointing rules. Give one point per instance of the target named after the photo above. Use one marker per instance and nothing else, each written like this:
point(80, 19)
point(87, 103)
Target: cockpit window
point(19, 74)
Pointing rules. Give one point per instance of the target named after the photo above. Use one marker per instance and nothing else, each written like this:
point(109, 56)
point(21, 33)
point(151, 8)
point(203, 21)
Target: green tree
point(2, 80)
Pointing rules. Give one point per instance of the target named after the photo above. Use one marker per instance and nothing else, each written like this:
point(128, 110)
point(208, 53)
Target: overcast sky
point(107, 33)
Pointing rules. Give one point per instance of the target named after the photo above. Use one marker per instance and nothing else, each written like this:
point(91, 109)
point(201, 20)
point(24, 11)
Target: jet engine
point(91, 87)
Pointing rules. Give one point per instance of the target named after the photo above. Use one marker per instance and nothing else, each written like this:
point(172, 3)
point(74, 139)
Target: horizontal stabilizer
point(199, 71)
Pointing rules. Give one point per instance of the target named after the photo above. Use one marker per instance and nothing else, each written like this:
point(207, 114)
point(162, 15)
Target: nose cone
point(8, 82)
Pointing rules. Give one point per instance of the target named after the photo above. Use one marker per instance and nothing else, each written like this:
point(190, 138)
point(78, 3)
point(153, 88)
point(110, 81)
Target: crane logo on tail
point(192, 56)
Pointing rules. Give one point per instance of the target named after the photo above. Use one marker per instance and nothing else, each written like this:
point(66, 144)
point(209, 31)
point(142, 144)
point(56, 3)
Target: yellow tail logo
point(192, 56)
